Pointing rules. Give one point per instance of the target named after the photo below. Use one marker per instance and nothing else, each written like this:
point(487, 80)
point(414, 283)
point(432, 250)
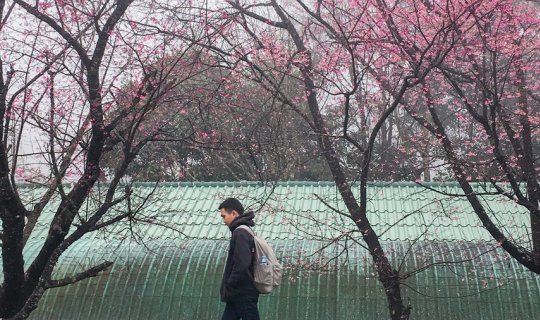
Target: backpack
point(267, 271)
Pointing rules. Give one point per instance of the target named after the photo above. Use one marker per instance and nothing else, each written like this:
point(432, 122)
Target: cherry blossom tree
point(77, 80)
point(357, 63)
point(482, 108)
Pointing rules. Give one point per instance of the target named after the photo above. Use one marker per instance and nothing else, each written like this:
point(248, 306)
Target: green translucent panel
point(397, 211)
point(181, 280)
point(176, 273)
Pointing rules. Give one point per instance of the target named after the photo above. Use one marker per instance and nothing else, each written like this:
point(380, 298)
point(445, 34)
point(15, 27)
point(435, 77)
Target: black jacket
point(237, 284)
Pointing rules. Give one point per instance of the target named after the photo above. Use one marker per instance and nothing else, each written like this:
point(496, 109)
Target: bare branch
point(89, 273)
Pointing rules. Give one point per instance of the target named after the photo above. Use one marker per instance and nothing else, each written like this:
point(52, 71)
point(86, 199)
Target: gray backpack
point(267, 270)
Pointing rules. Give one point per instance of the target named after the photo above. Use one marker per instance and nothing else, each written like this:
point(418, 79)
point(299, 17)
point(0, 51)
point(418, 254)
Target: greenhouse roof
point(304, 210)
point(171, 268)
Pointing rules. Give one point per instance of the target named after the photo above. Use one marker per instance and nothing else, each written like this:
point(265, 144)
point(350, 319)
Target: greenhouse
point(171, 268)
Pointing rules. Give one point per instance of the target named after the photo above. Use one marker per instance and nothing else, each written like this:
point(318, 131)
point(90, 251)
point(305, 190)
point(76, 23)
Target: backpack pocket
point(264, 278)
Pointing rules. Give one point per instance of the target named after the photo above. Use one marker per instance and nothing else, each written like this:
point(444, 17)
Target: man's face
point(228, 217)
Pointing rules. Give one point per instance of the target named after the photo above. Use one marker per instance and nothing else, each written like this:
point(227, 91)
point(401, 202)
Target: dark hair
point(231, 204)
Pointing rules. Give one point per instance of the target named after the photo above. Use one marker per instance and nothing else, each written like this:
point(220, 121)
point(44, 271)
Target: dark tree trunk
point(12, 263)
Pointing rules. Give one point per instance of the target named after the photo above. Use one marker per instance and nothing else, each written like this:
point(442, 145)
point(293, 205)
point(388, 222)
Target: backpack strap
point(254, 252)
point(243, 226)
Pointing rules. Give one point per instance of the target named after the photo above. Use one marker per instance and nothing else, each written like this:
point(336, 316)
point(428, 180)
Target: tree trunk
point(12, 263)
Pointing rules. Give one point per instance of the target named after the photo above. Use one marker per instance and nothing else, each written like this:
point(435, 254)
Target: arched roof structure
point(173, 272)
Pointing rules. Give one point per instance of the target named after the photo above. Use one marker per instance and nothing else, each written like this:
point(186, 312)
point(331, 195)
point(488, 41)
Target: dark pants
point(241, 310)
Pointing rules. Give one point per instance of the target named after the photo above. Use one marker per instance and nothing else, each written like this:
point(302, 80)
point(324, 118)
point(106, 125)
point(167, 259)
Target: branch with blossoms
point(83, 84)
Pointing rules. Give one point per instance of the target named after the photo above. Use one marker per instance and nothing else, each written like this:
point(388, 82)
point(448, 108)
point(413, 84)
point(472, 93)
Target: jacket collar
point(245, 219)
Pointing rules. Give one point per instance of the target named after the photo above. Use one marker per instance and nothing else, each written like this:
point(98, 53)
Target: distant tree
point(212, 139)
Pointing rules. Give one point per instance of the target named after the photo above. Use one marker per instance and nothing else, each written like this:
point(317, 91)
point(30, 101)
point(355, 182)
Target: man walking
point(237, 287)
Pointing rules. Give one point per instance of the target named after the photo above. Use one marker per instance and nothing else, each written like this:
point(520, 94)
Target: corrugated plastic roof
point(175, 274)
point(287, 211)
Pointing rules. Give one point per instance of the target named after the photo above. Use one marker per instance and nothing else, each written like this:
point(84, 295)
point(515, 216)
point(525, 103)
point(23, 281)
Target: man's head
point(230, 209)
